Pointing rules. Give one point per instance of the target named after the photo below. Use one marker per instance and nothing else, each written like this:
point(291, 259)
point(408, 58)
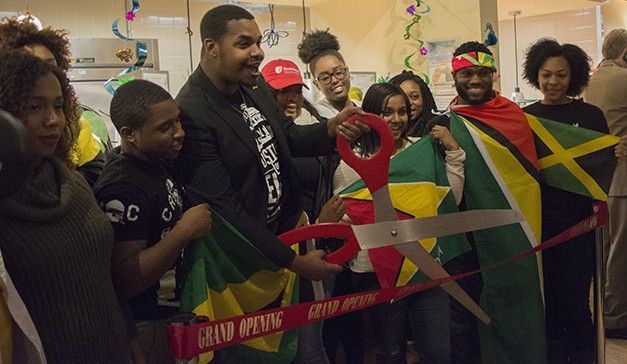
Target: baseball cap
point(281, 73)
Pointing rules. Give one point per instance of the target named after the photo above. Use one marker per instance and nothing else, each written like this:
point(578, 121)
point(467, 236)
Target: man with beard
point(238, 145)
point(473, 69)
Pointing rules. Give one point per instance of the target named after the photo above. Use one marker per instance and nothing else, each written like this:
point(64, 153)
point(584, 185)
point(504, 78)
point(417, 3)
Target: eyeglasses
point(338, 73)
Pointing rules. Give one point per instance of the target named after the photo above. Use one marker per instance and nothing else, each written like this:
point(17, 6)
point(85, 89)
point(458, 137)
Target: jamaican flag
point(419, 188)
point(577, 160)
point(226, 276)
point(508, 154)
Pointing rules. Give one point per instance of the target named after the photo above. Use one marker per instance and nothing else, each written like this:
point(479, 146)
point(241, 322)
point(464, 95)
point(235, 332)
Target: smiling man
point(145, 207)
point(238, 145)
point(473, 67)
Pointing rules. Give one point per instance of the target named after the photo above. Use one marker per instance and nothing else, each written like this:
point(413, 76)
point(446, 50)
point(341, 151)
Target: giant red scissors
point(387, 230)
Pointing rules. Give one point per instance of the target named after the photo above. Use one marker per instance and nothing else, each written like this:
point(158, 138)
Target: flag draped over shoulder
point(577, 160)
point(419, 188)
point(508, 154)
point(501, 174)
point(226, 276)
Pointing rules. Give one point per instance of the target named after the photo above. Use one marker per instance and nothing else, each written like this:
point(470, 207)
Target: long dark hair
point(374, 101)
point(420, 126)
point(19, 73)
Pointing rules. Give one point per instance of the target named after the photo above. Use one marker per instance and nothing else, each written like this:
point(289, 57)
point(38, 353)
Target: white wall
point(371, 31)
point(578, 27)
point(614, 14)
point(165, 20)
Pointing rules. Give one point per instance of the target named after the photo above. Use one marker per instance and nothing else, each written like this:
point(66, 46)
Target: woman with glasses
point(315, 176)
point(320, 51)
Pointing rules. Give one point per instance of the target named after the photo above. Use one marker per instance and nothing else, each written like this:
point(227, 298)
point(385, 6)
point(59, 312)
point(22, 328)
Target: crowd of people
point(88, 234)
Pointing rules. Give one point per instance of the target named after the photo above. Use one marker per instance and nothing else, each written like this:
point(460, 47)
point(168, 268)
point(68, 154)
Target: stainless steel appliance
point(95, 60)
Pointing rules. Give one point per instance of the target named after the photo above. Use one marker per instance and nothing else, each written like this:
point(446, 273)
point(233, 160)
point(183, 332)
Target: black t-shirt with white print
point(142, 202)
point(266, 145)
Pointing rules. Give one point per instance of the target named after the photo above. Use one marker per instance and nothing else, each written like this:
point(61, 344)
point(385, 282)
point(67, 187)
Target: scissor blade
point(432, 269)
point(383, 207)
point(384, 211)
point(388, 233)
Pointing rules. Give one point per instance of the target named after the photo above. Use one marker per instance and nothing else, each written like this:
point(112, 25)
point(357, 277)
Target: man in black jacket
point(238, 145)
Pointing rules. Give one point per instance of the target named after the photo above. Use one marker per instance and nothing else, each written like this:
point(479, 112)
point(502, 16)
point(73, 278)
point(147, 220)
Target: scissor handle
point(326, 230)
point(374, 169)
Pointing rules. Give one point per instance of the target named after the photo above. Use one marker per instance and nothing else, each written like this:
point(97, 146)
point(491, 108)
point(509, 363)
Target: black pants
point(465, 346)
point(568, 270)
point(346, 330)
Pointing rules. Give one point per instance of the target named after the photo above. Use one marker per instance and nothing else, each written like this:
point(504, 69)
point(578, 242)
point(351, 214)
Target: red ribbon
point(189, 341)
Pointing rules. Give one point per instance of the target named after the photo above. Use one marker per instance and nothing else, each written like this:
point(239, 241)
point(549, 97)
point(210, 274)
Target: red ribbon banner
point(188, 340)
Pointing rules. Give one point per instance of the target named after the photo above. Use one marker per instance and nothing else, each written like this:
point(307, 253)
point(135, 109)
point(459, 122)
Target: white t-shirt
point(327, 110)
point(266, 144)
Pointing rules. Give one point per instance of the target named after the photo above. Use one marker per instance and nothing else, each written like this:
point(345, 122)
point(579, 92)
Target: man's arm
point(620, 151)
point(308, 140)
point(201, 168)
point(136, 268)
point(319, 139)
point(207, 180)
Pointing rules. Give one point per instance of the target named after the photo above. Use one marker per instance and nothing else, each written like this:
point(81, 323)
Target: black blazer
point(220, 163)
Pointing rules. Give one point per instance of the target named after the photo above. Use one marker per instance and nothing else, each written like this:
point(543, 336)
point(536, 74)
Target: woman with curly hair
point(55, 241)
point(320, 51)
point(52, 46)
point(560, 72)
point(423, 107)
point(49, 44)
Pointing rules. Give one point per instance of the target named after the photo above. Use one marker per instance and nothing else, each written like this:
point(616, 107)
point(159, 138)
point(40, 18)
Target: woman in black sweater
point(560, 72)
point(55, 241)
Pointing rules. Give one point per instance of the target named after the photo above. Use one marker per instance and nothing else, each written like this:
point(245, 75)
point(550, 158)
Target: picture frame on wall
point(363, 80)
point(440, 52)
